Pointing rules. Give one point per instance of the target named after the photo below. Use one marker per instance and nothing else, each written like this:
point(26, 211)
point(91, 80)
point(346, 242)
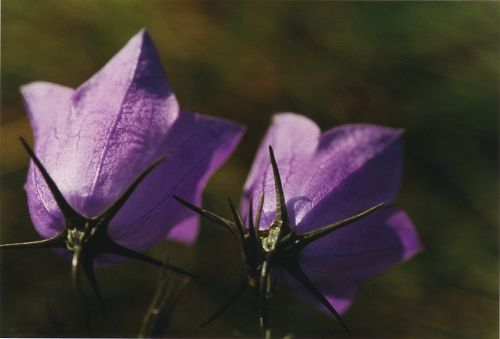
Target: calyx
point(277, 246)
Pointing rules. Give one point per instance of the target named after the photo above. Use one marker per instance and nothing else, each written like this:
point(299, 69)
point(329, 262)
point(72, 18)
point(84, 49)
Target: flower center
point(269, 242)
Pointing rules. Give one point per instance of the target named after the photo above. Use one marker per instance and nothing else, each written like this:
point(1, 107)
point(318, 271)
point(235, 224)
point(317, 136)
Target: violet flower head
point(331, 176)
point(93, 142)
point(325, 219)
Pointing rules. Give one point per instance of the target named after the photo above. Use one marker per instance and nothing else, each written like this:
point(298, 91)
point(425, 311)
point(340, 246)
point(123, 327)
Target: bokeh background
point(430, 68)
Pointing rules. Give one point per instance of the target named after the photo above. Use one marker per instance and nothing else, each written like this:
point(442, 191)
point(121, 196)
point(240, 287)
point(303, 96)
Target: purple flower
point(317, 184)
point(328, 177)
point(95, 140)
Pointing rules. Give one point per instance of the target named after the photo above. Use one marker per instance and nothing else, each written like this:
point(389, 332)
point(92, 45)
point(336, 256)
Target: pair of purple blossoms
point(95, 140)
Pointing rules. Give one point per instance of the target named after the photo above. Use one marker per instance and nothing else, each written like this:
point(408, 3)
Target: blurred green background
point(430, 68)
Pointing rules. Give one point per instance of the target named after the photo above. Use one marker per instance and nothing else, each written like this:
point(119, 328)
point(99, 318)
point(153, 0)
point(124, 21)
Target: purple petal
point(211, 141)
point(325, 177)
point(293, 137)
point(124, 113)
point(48, 107)
point(195, 147)
point(186, 231)
point(340, 294)
point(338, 262)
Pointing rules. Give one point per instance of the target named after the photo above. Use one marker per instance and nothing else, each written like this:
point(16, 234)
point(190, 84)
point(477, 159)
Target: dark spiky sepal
point(311, 236)
point(88, 270)
point(57, 241)
point(229, 225)
point(253, 230)
point(72, 217)
point(296, 271)
point(105, 217)
point(239, 223)
point(281, 209)
point(117, 249)
point(260, 207)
